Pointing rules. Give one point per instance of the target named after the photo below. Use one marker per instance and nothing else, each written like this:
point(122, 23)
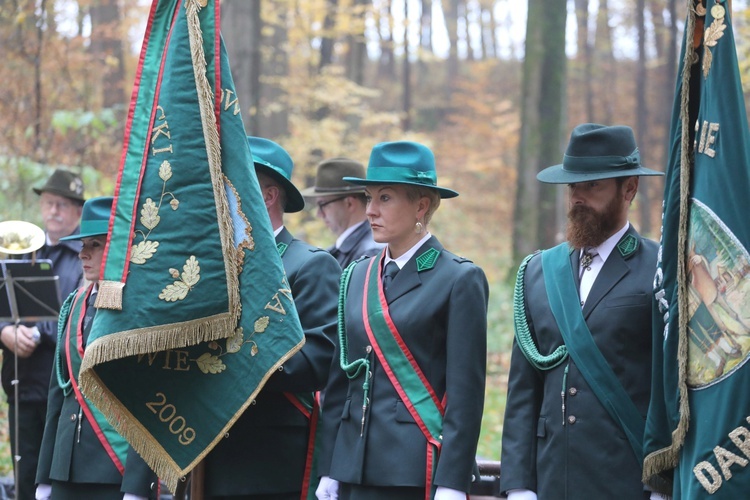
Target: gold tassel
point(110, 295)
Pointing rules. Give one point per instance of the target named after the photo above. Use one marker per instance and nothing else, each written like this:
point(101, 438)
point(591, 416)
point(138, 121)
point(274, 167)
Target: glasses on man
point(59, 204)
point(323, 204)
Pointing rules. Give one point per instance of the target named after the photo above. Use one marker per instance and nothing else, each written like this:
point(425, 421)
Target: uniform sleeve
point(315, 293)
point(139, 479)
point(55, 400)
point(466, 337)
point(523, 403)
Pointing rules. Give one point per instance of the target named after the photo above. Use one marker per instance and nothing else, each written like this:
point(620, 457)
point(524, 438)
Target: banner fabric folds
point(194, 310)
point(697, 440)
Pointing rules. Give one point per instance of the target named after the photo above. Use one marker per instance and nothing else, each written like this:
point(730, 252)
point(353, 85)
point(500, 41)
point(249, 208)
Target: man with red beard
point(60, 202)
point(580, 375)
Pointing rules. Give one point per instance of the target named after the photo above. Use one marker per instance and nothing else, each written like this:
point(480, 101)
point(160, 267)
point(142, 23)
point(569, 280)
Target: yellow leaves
point(150, 214)
point(209, 363)
point(188, 279)
point(143, 251)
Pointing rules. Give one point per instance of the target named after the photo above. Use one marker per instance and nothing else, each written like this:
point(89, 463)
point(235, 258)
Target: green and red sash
point(309, 406)
point(401, 367)
point(115, 446)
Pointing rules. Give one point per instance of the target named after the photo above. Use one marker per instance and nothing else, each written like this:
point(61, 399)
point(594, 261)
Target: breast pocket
point(634, 300)
point(402, 414)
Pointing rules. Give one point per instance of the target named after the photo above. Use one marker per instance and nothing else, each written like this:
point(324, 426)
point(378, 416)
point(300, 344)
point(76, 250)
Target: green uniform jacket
point(265, 450)
point(76, 458)
point(441, 313)
point(589, 456)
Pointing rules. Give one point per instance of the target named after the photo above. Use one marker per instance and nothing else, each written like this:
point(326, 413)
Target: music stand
point(29, 292)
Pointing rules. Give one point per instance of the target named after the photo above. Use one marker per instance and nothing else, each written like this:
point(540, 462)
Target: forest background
point(492, 86)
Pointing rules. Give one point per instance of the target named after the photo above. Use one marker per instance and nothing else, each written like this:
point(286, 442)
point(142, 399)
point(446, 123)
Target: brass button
point(73, 417)
point(572, 391)
point(572, 419)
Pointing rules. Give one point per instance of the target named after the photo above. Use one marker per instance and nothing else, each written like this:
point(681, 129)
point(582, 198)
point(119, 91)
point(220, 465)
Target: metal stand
point(35, 310)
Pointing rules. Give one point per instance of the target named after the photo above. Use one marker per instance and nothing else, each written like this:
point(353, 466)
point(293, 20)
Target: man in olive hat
point(580, 375)
point(342, 206)
point(265, 455)
point(60, 201)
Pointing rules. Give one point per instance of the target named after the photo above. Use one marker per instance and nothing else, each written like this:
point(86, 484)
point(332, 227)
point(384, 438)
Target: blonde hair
point(414, 193)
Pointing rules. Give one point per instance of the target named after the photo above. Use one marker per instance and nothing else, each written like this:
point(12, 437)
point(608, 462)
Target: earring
point(418, 227)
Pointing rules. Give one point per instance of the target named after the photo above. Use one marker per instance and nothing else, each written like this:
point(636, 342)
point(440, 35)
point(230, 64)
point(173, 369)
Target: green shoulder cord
point(356, 367)
point(523, 334)
point(62, 319)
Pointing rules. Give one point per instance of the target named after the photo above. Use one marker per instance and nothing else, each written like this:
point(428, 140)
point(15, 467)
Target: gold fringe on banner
point(667, 458)
point(141, 441)
point(213, 149)
point(109, 295)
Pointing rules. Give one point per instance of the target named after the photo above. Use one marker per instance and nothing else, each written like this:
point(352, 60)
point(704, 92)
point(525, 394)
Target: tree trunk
point(641, 132)
point(425, 33)
point(240, 26)
point(583, 59)
point(328, 40)
point(606, 63)
point(106, 47)
point(542, 104)
point(406, 76)
point(451, 22)
point(275, 66)
point(357, 53)
point(387, 66)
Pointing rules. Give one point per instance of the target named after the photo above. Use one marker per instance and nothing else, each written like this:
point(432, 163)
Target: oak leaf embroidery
point(187, 280)
point(710, 39)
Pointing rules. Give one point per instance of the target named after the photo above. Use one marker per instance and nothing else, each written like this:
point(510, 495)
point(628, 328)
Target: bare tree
point(106, 46)
point(542, 99)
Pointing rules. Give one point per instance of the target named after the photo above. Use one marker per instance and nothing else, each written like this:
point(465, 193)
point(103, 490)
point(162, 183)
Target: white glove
point(328, 489)
point(443, 493)
point(658, 496)
point(130, 496)
point(43, 492)
point(521, 495)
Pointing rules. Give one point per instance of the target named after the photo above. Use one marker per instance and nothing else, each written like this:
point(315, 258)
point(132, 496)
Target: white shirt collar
point(278, 230)
point(343, 236)
point(401, 261)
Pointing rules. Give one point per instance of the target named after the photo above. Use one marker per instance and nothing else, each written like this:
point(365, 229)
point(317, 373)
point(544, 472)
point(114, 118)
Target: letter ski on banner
point(194, 310)
point(697, 434)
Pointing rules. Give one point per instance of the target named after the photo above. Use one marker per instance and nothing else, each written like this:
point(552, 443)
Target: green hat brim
point(89, 229)
point(294, 200)
point(442, 191)
point(557, 174)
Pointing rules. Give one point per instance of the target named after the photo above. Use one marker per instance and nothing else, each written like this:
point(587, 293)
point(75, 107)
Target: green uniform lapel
point(559, 281)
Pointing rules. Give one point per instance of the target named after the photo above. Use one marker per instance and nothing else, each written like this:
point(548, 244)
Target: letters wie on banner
point(697, 439)
point(194, 312)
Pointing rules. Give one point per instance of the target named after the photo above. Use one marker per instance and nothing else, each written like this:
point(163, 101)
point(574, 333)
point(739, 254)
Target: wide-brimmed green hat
point(402, 162)
point(63, 183)
point(94, 218)
point(597, 152)
point(329, 178)
point(273, 160)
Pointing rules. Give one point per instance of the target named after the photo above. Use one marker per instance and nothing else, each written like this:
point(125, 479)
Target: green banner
point(206, 312)
point(698, 428)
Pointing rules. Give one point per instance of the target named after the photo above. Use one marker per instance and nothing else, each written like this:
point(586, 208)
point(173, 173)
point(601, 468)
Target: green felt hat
point(329, 178)
point(94, 218)
point(597, 152)
point(273, 160)
point(402, 162)
point(63, 183)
